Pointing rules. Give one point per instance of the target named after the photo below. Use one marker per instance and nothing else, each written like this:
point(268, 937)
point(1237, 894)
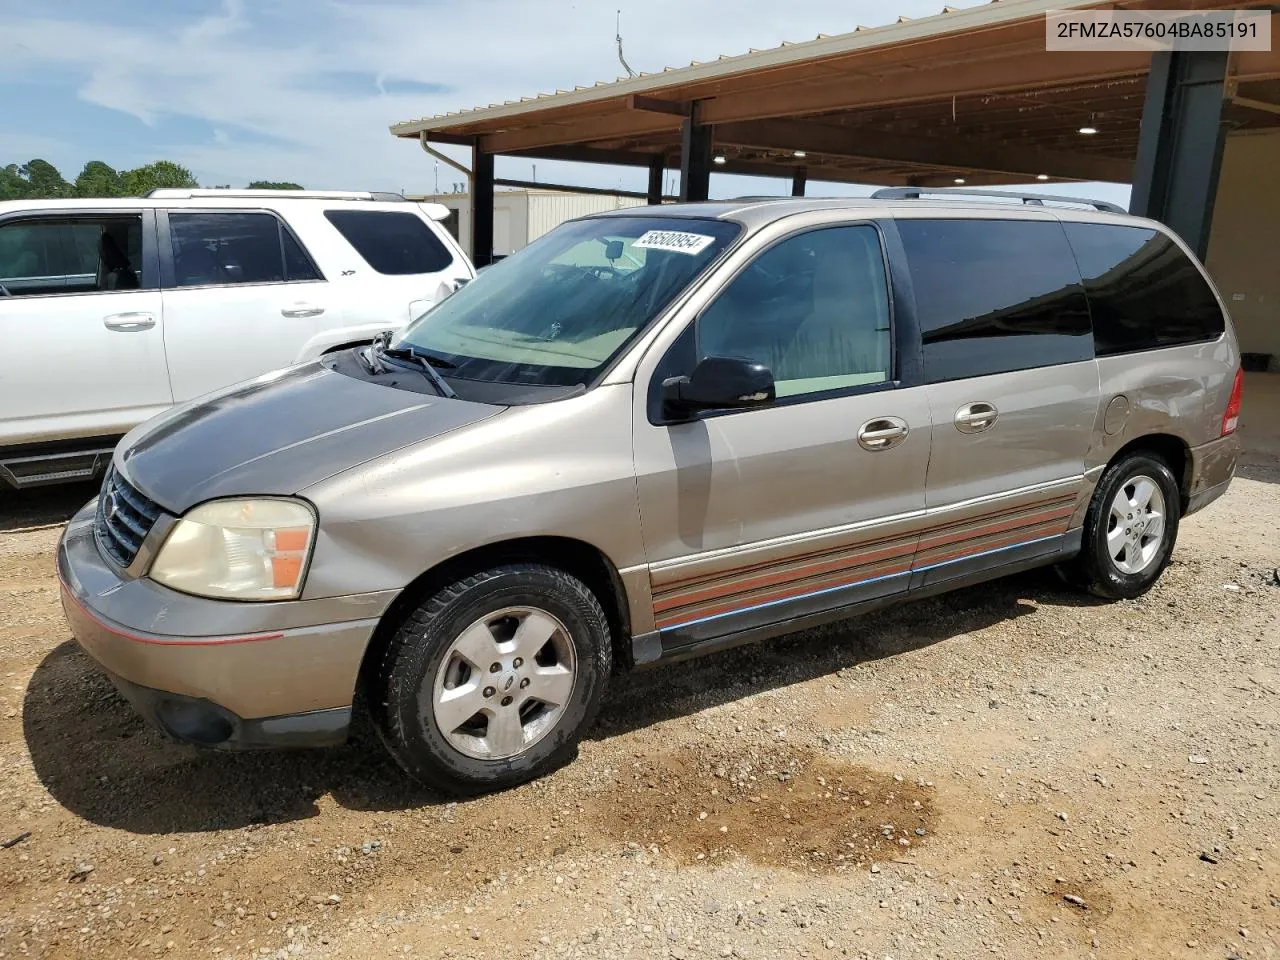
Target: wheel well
point(575, 557)
point(1172, 450)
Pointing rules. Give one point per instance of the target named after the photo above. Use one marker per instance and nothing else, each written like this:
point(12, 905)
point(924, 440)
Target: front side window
point(1143, 291)
point(220, 249)
point(63, 255)
point(995, 295)
point(393, 243)
point(556, 312)
point(813, 308)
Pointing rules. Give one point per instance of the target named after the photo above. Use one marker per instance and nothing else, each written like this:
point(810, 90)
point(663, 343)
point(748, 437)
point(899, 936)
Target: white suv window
point(72, 254)
point(217, 249)
point(392, 242)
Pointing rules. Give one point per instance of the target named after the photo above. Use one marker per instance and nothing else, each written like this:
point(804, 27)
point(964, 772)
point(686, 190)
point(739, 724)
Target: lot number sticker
point(673, 240)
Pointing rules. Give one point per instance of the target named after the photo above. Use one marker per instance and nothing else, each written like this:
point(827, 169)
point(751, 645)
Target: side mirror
point(719, 383)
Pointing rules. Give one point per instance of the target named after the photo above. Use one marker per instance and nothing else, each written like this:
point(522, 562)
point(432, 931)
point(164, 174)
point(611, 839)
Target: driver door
point(764, 516)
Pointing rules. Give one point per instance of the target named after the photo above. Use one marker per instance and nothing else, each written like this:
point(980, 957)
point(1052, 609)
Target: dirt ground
point(1011, 770)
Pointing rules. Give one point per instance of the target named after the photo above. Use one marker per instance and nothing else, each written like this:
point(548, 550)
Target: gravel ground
point(1011, 770)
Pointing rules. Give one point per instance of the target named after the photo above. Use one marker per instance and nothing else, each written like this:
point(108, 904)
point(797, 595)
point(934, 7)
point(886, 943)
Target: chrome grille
point(124, 519)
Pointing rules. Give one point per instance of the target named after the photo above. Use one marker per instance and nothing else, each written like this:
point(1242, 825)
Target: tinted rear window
point(995, 295)
point(1143, 290)
point(390, 242)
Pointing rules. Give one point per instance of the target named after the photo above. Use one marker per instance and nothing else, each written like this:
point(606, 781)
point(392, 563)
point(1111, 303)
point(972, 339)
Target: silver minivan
point(653, 434)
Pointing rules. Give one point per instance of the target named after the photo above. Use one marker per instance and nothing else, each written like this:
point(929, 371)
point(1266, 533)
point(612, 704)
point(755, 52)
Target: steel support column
point(798, 181)
point(1180, 141)
point(695, 159)
point(481, 207)
point(657, 168)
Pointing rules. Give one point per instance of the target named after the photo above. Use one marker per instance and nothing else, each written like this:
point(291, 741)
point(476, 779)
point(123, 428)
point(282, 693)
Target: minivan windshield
point(558, 311)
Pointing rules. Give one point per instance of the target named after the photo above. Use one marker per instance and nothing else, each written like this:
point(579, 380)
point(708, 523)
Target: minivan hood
point(279, 434)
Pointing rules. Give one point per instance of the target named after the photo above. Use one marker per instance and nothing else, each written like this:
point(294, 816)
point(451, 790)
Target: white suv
point(112, 310)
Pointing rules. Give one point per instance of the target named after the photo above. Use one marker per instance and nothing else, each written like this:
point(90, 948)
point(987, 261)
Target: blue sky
point(304, 90)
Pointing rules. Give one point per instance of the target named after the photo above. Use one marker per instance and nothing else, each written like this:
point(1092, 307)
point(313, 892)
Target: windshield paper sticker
point(673, 240)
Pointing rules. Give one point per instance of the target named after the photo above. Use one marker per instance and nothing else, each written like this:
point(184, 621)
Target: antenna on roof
point(621, 59)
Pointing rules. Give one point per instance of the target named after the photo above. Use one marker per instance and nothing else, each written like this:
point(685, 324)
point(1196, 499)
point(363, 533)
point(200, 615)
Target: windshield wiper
point(420, 361)
point(407, 353)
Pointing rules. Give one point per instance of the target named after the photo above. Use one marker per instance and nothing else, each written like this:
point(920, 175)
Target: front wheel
point(492, 680)
point(1129, 530)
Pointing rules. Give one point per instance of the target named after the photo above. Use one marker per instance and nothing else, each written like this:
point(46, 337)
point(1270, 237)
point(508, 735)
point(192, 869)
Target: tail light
point(1231, 419)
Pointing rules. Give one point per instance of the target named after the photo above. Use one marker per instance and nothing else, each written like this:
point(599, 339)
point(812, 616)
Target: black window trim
point(149, 269)
point(899, 353)
point(169, 276)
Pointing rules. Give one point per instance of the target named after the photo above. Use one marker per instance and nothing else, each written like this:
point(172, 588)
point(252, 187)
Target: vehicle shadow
point(103, 763)
point(43, 506)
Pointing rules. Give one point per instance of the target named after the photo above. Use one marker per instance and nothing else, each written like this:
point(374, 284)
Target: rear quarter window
point(392, 242)
point(994, 296)
point(1144, 292)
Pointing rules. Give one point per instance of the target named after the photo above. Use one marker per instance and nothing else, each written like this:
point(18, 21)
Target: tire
point(434, 671)
point(1125, 564)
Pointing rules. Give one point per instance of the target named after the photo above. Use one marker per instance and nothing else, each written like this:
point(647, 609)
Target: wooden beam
point(1257, 64)
point(946, 152)
point(1256, 104)
point(655, 105)
point(853, 91)
point(617, 125)
point(576, 154)
point(456, 139)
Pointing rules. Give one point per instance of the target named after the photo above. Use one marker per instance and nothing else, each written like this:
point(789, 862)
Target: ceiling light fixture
point(718, 159)
point(1042, 176)
point(800, 153)
point(1088, 131)
point(959, 180)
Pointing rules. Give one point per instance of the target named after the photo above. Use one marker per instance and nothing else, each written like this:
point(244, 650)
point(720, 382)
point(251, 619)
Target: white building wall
point(548, 209)
point(522, 216)
point(1244, 242)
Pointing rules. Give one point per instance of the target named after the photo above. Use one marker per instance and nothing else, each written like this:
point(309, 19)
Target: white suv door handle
point(129, 322)
point(976, 417)
point(882, 433)
point(301, 310)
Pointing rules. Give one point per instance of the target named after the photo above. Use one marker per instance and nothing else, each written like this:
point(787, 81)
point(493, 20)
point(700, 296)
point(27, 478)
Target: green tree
point(12, 185)
point(274, 185)
point(97, 179)
point(162, 173)
point(44, 180)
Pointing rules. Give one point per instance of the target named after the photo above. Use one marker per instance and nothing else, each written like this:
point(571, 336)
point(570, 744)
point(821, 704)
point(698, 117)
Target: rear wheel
point(492, 680)
point(1129, 530)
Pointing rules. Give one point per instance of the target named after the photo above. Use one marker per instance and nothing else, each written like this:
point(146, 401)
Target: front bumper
point(212, 672)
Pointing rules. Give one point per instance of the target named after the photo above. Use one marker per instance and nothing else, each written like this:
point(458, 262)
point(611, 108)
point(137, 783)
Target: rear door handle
point(882, 433)
point(301, 310)
point(976, 417)
point(129, 322)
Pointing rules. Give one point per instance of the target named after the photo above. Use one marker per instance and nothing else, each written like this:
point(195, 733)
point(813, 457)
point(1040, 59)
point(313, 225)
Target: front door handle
point(301, 310)
point(976, 417)
point(882, 433)
point(129, 322)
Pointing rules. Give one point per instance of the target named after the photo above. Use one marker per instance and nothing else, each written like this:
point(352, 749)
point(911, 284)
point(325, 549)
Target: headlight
point(239, 550)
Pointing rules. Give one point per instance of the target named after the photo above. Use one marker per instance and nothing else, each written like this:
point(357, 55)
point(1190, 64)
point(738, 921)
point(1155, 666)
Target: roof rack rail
point(184, 193)
point(1035, 199)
